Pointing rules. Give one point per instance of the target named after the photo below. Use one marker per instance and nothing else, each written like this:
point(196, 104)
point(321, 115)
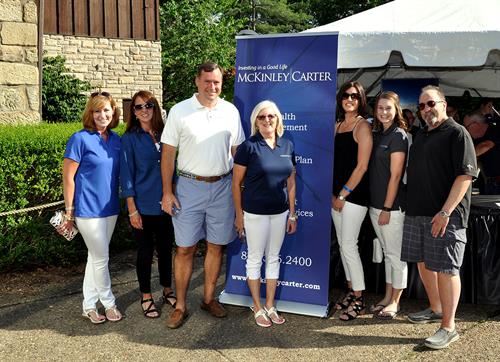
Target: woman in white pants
point(265, 208)
point(387, 197)
point(353, 146)
point(90, 183)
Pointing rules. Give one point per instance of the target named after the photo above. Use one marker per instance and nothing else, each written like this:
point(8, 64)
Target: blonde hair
point(258, 108)
point(95, 102)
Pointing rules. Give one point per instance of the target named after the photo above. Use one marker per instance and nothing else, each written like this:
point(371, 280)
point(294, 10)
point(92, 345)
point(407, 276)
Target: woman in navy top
point(90, 184)
point(140, 179)
point(387, 167)
point(352, 149)
point(265, 207)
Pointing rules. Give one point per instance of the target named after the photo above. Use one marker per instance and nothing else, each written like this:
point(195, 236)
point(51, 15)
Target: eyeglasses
point(147, 105)
point(104, 94)
point(270, 117)
point(430, 104)
point(353, 96)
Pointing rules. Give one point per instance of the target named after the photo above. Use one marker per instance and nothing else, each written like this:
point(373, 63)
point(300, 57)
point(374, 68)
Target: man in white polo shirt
point(205, 130)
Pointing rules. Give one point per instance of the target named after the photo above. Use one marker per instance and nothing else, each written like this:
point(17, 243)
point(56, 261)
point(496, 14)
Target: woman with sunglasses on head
point(265, 207)
point(352, 149)
point(140, 178)
point(90, 186)
point(387, 197)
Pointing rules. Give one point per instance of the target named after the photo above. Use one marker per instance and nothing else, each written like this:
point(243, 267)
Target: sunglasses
point(430, 104)
point(104, 94)
point(147, 105)
point(353, 96)
point(270, 117)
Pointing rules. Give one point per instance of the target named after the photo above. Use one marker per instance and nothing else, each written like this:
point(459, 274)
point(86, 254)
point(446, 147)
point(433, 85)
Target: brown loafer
point(177, 318)
point(214, 308)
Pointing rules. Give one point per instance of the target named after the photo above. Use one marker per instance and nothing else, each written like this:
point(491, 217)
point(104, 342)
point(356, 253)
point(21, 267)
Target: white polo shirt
point(203, 136)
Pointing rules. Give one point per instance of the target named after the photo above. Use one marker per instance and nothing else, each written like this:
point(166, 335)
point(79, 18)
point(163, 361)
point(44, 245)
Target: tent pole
point(369, 88)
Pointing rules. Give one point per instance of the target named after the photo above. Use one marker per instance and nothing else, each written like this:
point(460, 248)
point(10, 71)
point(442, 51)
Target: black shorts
point(440, 254)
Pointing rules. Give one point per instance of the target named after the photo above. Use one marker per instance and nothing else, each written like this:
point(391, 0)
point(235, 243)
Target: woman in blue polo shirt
point(140, 179)
point(90, 185)
point(265, 207)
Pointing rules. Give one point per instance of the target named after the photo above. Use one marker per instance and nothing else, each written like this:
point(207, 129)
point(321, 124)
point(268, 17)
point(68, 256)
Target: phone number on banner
point(286, 259)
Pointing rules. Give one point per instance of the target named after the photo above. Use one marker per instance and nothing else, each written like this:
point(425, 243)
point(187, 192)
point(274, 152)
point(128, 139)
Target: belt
point(208, 179)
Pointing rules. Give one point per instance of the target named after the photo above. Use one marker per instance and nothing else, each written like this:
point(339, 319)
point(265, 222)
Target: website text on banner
point(299, 74)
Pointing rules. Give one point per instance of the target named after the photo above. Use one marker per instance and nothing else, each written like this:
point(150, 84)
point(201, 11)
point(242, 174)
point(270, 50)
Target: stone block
point(18, 74)
point(32, 94)
point(10, 53)
point(12, 99)
point(10, 118)
point(11, 10)
point(126, 80)
point(30, 12)
point(19, 34)
point(88, 44)
point(32, 55)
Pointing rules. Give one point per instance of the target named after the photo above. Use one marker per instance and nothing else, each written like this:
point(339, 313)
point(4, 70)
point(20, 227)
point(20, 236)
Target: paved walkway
point(43, 323)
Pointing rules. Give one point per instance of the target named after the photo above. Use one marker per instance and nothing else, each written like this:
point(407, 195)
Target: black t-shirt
point(265, 191)
point(437, 157)
point(384, 144)
point(490, 161)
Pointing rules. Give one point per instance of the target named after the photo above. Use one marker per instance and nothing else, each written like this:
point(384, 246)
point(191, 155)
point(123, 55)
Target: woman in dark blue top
point(265, 207)
point(140, 178)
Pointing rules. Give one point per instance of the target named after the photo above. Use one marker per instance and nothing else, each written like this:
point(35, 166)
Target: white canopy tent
point(456, 41)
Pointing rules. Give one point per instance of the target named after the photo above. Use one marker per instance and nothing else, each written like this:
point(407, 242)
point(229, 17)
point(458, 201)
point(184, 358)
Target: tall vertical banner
point(298, 72)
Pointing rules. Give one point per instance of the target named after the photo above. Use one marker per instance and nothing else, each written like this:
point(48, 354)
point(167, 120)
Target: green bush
point(30, 175)
point(62, 93)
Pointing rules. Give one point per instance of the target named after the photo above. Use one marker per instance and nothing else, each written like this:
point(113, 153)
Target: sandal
point(376, 308)
point(113, 314)
point(345, 302)
point(148, 312)
point(170, 299)
point(272, 313)
point(94, 316)
point(261, 318)
point(356, 309)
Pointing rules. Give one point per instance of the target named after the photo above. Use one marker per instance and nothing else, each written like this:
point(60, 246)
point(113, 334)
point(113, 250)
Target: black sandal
point(167, 299)
point(356, 309)
point(150, 309)
point(345, 302)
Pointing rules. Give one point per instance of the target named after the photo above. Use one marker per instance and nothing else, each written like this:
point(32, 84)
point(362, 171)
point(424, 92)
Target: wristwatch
point(443, 214)
point(341, 198)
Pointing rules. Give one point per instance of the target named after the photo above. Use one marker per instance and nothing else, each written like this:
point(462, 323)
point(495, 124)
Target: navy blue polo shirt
point(140, 173)
point(96, 179)
point(265, 191)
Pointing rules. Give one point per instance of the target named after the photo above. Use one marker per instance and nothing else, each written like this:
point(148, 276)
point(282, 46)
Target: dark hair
point(362, 104)
point(485, 101)
point(398, 118)
point(133, 122)
point(208, 67)
point(96, 101)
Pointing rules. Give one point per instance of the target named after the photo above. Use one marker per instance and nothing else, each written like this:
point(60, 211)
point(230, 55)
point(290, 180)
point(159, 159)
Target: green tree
point(193, 32)
point(327, 11)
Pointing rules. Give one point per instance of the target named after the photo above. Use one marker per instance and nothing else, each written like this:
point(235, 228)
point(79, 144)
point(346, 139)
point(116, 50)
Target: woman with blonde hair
point(90, 186)
point(265, 208)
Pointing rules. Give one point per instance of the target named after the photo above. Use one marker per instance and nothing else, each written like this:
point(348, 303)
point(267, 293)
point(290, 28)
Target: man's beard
point(431, 119)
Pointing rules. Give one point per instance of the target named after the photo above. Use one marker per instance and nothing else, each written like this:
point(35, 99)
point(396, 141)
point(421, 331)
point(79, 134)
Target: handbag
point(57, 220)
point(378, 254)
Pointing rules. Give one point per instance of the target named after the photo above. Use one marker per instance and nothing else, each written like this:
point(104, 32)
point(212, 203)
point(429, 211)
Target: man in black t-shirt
point(487, 145)
point(441, 166)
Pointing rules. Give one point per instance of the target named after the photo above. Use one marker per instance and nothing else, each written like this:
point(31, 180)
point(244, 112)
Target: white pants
point(265, 234)
point(391, 239)
point(97, 233)
point(347, 225)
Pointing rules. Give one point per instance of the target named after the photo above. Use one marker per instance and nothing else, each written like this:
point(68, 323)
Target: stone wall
point(19, 78)
point(118, 66)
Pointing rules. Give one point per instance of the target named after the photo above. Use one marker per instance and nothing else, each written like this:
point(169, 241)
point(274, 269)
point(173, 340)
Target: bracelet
point(347, 188)
point(133, 214)
point(386, 209)
point(292, 217)
point(69, 208)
